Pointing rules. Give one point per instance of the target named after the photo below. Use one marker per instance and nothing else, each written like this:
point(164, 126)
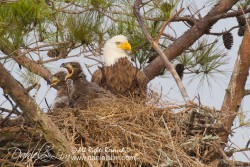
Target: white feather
point(111, 52)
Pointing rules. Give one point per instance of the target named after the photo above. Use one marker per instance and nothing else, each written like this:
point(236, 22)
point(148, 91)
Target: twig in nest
point(9, 111)
point(8, 116)
point(31, 87)
point(47, 104)
point(191, 121)
point(247, 143)
point(14, 110)
point(232, 151)
point(235, 163)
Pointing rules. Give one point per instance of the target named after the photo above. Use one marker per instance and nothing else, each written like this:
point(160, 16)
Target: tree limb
point(247, 92)
point(231, 14)
point(33, 113)
point(33, 66)
point(166, 23)
point(170, 67)
point(232, 151)
point(186, 40)
point(236, 89)
point(235, 163)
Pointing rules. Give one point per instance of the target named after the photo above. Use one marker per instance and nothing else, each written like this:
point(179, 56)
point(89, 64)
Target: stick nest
point(180, 135)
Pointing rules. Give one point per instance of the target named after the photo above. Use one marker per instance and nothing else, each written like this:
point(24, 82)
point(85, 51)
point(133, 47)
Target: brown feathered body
point(122, 78)
point(85, 93)
point(88, 94)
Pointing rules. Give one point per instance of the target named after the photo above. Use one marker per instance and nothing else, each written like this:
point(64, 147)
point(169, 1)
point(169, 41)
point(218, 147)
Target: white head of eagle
point(115, 48)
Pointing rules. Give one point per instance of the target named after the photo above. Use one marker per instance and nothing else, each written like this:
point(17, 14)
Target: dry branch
point(168, 64)
point(165, 25)
point(27, 63)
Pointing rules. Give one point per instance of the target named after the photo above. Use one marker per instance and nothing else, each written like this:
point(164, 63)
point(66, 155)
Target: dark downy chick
point(64, 88)
point(86, 93)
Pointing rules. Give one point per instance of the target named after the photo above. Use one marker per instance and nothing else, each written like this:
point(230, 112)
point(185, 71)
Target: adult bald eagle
point(64, 88)
point(85, 93)
point(119, 76)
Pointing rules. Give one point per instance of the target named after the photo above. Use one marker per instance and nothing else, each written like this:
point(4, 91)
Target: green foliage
point(100, 3)
point(204, 61)
point(243, 4)
point(20, 18)
point(28, 78)
point(83, 28)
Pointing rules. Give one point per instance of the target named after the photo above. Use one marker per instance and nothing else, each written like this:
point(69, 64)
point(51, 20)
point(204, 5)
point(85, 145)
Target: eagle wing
point(97, 77)
point(142, 79)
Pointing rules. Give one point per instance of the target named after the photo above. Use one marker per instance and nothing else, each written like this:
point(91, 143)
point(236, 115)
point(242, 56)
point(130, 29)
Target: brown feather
point(122, 78)
point(97, 76)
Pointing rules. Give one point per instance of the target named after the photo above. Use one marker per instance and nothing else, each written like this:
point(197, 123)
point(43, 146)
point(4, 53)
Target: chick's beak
point(54, 81)
point(69, 68)
point(125, 46)
point(70, 71)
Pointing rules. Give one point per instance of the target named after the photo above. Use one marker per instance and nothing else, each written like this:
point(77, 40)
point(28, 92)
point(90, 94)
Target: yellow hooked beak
point(125, 46)
point(70, 71)
point(54, 81)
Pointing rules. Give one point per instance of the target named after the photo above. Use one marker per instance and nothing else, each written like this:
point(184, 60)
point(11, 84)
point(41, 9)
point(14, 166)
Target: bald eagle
point(64, 88)
point(85, 93)
point(119, 76)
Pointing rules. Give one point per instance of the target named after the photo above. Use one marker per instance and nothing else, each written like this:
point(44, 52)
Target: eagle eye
point(117, 43)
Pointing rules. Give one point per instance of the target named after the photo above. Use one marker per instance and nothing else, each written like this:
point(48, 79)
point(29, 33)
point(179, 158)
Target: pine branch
point(166, 23)
point(186, 40)
point(221, 33)
point(170, 67)
point(33, 66)
point(230, 14)
point(19, 57)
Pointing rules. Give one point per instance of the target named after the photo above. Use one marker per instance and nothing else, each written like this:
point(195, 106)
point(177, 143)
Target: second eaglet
point(119, 76)
point(64, 88)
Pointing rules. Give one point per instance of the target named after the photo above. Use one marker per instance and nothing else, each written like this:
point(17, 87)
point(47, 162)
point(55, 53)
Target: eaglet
point(64, 88)
point(85, 93)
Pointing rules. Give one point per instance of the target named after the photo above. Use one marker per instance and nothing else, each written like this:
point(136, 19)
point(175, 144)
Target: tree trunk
point(236, 88)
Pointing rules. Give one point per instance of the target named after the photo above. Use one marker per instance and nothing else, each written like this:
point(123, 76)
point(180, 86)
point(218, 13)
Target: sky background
point(212, 97)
